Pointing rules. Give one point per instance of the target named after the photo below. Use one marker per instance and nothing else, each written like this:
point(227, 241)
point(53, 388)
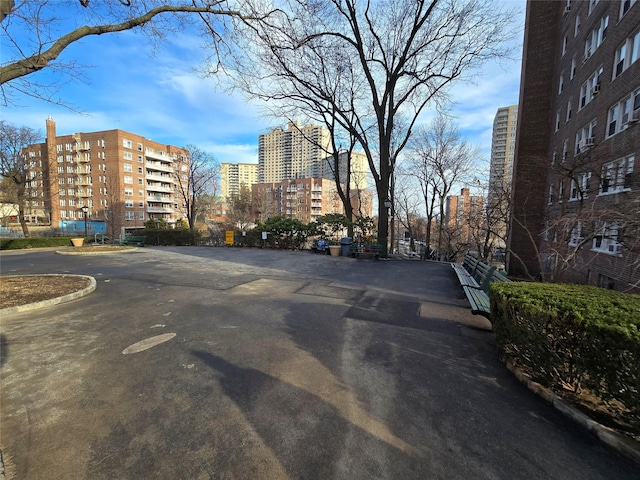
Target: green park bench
point(476, 278)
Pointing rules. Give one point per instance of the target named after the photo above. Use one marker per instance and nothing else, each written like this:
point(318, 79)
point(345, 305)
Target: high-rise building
point(503, 146)
point(236, 176)
point(122, 178)
point(293, 153)
point(576, 199)
point(358, 168)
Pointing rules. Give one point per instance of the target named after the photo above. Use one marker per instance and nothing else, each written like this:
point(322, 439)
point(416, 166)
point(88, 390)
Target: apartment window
point(625, 5)
point(140, 170)
point(128, 179)
point(128, 192)
point(140, 215)
point(565, 42)
point(561, 84)
point(140, 181)
point(585, 137)
point(557, 121)
point(69, 158)
point(69, 147)
point(61, 181)
point(60, 159)
point(623, 113)
point(560, 191)
point(128, 203)
point(58, 148)
point(608, 238)
point(577, 28)
point(129, 215)
point(139, 147)
point(140, 204)
point(550, 198)
point(128, 156)
point(590, 88)
point(63, 202)
point(569, 111)
point(580, 186)
point(60, 169)
point(72, 202)
point(127, 143)
point(63, 214)
point(62, 192)
point(576, 236)
point(596, 37)
point(617, 176)
point(127, 167)
point(565, 150)
point(69, 168)
point(71, 191)
point(592, 4)
point(140, 159)
point(70, 181)
point(573, 68)
point(626, 54)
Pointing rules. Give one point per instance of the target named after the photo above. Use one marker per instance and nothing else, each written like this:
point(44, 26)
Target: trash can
point(345, 246)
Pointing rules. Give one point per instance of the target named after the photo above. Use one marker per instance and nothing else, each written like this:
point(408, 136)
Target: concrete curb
point(623, 444)
point(53, 301)
point(71, 252)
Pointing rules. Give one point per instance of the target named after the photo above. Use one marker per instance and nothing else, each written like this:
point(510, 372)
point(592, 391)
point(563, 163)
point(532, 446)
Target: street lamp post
point(85, 209)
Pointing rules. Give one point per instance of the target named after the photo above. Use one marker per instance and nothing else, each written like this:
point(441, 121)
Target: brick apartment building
point(122, 178)
point(305, 199)
point(463, 215)
point(575, 208)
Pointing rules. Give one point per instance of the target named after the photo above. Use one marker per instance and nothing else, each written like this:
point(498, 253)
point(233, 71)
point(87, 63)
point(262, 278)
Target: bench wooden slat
point(476, 278)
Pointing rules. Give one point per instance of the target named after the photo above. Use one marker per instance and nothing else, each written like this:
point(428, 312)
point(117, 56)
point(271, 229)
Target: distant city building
point(358, 166)
point(293, 153)
point(122, 178)
point(305, 199)
point(235, 176)
point(463, 214)
point(503, 146)
point(576, 182)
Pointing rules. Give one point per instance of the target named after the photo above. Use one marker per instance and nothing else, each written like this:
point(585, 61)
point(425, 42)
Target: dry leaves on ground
point(25, 289)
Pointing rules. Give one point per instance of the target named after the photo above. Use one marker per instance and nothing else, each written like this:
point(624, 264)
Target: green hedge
point(576, 335)
point(35, 242)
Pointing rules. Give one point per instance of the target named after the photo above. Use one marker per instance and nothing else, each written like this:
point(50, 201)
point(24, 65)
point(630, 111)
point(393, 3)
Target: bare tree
point(440, 159)
point(15, 165)
point(113, 211)
point(387, 62)
point(36, 34)
point(196, 179)
point(240, 213)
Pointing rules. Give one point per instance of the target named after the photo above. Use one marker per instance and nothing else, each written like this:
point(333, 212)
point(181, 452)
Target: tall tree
point(14, 165)
point(36, 33)
point(440, 159)
point(196, 180)
point(387, 61)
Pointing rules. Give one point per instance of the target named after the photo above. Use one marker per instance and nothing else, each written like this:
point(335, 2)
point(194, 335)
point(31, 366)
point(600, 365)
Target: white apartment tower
point(235, 176)
point(503, 146)
point(293, 153)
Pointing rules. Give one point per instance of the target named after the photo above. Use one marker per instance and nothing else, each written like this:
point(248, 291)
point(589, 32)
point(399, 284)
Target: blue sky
point(160, 96)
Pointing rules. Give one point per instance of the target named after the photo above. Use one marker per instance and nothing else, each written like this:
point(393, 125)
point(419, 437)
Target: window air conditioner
point(581, 144)
point(635, 116)
point(589, 142)
point(596, 89)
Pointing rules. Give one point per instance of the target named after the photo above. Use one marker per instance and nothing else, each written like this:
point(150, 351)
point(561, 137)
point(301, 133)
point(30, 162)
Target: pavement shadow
point(310, 437)
point(4, 349)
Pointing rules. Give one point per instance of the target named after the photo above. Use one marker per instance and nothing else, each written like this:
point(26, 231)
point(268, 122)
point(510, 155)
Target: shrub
point(572, 336)
point(34, 242)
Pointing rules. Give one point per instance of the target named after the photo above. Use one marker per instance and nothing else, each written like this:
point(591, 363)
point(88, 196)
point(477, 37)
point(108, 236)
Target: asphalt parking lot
point(198, 363)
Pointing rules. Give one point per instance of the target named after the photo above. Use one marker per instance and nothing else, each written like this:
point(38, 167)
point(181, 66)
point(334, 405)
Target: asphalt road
point(198, 363)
